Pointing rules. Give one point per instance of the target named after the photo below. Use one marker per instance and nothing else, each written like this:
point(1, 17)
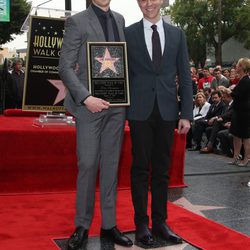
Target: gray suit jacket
point(79, 29)
point(146, 84)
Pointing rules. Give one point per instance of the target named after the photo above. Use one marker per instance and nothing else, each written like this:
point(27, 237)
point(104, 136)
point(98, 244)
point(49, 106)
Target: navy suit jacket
point(227, 113)
point(215, 110)
point(147, 84)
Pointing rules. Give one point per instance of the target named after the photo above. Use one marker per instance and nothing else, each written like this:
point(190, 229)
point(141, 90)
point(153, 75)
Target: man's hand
point(94, 104)
point(227, 125)
point(212, 120)
point(183, 126)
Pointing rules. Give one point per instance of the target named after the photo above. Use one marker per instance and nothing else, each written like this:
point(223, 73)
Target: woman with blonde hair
point(240, 125)
point(201, 107)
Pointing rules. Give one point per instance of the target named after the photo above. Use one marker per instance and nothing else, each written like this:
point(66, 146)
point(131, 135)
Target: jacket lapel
point(166, 47)
point(120, 26)
point(95, 24)
point(140, 37)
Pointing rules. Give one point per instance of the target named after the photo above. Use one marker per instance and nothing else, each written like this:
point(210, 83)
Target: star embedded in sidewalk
point(183, 202)
point(107, 61)
point(62, 90)
point(172, 247)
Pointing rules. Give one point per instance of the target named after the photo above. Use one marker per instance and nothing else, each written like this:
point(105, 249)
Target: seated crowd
point(212, 112)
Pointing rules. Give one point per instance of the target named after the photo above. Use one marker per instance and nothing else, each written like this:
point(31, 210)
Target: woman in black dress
point(240, 125)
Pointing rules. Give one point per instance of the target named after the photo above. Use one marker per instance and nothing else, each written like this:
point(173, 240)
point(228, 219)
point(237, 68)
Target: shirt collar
point(98, 11)
point(147, 24)
point(17, 72)
point(217, 103)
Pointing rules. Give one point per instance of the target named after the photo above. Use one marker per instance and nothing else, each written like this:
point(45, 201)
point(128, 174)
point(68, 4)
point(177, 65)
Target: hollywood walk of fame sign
point(108, 72)
point(43, 89)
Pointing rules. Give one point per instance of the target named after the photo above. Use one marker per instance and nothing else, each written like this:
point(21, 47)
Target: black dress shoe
point(116, 236)
point(77, 239)
point(163, 231)
point(143, 235)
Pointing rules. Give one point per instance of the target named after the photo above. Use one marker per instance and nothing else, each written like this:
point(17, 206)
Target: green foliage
point(19, 9)
point(199, 20)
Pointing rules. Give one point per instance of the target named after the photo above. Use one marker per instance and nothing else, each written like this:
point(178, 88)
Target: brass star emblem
point(107, 61)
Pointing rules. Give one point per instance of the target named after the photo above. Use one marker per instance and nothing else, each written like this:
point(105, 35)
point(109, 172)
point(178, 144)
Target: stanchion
point(54, 119)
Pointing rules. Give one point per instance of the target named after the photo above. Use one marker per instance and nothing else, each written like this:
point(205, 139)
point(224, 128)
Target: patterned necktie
point(110, 30)
point(156, 48)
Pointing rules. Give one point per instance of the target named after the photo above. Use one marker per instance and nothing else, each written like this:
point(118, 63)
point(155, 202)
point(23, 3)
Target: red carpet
point(30, 222)
point(34, 159)
point(44, 159)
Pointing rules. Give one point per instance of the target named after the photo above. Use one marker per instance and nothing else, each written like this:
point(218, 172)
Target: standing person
point(153, 66)
point(16, 84)
point(219, 80)
point(240, 124)
point(205, 81)
point(99, 127)
point(226, 73)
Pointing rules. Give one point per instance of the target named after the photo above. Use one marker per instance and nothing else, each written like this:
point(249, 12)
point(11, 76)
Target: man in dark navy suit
point(157, 53)
point(219, 121)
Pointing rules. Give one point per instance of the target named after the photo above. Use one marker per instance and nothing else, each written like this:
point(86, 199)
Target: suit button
point(153, 89)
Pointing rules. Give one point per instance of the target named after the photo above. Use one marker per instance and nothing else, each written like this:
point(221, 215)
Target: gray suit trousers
point(99, 140)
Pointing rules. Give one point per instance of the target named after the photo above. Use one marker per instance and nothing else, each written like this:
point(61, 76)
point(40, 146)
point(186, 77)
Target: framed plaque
point(43, 88)
point(108, 72)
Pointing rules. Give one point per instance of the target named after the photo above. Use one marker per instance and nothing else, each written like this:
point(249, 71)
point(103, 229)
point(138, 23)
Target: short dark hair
point(216, 92)
point(209, 90)
point(217, 70)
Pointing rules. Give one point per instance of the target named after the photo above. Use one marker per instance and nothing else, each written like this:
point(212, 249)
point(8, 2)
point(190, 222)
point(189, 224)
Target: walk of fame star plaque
point(108, 72)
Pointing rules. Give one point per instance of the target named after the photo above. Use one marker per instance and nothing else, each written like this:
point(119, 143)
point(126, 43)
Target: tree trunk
point(219, 52)
point(218, 55)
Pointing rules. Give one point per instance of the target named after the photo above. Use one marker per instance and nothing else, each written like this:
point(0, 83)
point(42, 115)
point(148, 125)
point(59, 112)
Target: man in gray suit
point(99, 127)
point(157, 53)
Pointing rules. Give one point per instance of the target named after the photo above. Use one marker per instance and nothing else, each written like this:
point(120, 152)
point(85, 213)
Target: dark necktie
point(110, 30)
point(156, 48)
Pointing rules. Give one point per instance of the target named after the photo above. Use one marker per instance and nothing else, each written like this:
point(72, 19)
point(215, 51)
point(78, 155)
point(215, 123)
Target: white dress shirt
point(148, 31)
point(201, 113)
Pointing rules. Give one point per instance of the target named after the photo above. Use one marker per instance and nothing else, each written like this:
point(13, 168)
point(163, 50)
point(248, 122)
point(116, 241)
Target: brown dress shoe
point(206, 150)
